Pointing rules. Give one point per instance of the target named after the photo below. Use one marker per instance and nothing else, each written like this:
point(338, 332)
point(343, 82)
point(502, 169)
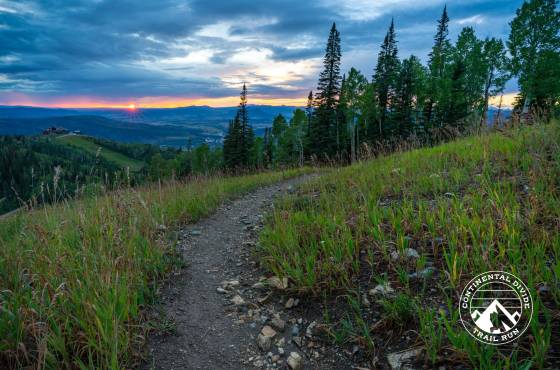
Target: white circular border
point(528, 293)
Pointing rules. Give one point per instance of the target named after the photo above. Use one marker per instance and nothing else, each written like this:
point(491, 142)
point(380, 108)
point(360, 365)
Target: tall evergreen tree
point(458, 105)
point(385, 79)
point(438, 64)
point(323, 125)
point(232, 144)
point(247, 136)
point(409, 97)
point(239, 140)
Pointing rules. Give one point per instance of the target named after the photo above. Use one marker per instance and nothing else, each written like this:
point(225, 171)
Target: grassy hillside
point(74, 277)
point(86, 144)
point(466, 207)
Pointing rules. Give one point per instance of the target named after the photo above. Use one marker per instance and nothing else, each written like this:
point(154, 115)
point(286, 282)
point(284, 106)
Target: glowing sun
point(132, 106)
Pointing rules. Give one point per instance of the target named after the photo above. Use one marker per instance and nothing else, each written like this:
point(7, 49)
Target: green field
point(75, 276)
point(478, 204)
point(84, 143)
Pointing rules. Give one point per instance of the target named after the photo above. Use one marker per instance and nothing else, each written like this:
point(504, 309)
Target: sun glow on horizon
point(155, 102)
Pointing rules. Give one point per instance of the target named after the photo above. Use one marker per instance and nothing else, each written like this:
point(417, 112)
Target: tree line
point(407, 101)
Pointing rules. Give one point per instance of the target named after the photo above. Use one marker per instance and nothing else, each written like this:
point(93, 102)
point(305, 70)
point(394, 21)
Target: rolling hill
point(88, 145)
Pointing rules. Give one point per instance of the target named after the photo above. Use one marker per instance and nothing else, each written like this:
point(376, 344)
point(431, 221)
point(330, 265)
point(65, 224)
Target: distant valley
point(158, 126)
point(171, 127)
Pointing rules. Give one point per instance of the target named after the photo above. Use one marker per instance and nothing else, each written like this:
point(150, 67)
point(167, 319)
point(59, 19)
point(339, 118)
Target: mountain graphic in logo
point(496, 319)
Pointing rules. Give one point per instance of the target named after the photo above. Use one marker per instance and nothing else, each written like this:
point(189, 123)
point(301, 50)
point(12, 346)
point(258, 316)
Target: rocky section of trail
point(221, 312)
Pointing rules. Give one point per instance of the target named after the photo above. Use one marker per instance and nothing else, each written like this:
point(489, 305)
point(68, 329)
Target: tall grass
point(489, 202)
point(75, 276)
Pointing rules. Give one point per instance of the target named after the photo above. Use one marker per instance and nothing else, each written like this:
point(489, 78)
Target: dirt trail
point(209, 334)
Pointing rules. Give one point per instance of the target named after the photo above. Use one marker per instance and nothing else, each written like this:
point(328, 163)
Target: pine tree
point(385, 79)
point(246, 135)
point(239, 140)
point(409, 96)
point(458, 108)
point(232, 144)
point(323, 125)
point(439, 63)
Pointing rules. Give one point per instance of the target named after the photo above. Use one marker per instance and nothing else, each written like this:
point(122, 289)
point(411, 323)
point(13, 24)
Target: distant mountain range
point(158, 126)
point(170, 126)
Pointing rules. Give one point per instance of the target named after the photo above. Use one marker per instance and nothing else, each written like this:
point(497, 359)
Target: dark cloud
point(131, 48)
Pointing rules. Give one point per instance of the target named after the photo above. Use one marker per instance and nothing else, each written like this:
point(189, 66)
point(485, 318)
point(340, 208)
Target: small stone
point(278, 323)
point(290, 303)
point(310, 329)
point(275, 358)
point(230, 284)
point(238, 301)
point(267, 331)
point(382, 289)
point(295, 361)
point(295, 330)
point(281, 351)
point(411, 253)
point(195, 232)
point(281, 342)
point(221, 290)
point(264, 342)
point(398, 360)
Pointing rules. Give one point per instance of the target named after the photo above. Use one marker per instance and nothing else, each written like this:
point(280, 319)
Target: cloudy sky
point(184, 52)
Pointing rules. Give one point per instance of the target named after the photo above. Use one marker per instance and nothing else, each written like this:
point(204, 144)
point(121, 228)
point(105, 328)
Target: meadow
point(86, 144)
point(482, 203)
point(76, 276)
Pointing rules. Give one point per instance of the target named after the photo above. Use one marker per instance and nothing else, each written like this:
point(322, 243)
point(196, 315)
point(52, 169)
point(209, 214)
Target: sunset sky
point(168, 53)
